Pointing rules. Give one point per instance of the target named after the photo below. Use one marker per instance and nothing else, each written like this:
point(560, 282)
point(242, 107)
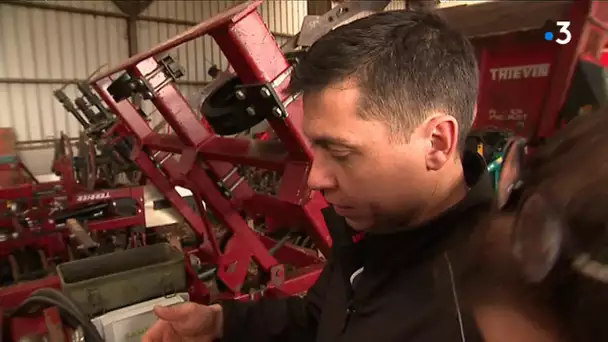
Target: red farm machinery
point(208, 213)
point(542, 63)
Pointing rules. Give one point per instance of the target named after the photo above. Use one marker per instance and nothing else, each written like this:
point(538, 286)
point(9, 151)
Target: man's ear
point(538, 237)
point(442, 135)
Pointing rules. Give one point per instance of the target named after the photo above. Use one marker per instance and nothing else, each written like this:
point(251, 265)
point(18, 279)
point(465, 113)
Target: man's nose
point(319, 177)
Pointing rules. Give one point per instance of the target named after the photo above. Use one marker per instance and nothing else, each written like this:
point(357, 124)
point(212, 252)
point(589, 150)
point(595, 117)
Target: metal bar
point(297, 284)
point(179, 114)
point(85, 11)
point(34, 81)
point(187, 126)
point(35, 145)
point(41, 141)
point(132, 44)
point(132, 41)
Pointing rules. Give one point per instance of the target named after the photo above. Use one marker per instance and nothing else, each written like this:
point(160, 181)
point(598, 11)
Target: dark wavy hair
point(546, 244)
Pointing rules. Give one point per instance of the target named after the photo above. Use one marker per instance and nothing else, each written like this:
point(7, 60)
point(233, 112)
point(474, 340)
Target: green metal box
point(107, 282)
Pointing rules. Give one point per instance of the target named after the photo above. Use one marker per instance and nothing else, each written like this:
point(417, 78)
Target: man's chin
point(358, 224)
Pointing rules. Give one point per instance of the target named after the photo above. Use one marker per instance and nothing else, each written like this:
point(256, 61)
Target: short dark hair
point(406, 64)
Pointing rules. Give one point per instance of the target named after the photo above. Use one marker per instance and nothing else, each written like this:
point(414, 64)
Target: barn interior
point(149, 154)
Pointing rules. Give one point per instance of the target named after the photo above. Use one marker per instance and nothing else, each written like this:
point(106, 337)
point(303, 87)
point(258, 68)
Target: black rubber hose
point(69, 311)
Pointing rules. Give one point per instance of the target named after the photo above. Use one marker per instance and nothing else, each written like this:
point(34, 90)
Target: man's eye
point(340, 156)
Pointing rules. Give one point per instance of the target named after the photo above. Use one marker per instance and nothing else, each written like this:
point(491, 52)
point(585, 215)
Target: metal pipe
point(279, 244)
point(40, 141)
point(236, 184)
point(165, 158)
point(43, 144)
point(229, 174)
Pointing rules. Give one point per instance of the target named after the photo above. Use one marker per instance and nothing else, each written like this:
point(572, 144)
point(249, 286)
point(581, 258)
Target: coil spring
point(303, 241)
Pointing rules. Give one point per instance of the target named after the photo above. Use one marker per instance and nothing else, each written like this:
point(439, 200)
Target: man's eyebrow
point(327, 141)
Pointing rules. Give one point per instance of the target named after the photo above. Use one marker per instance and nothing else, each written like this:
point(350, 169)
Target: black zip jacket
point(407, 292)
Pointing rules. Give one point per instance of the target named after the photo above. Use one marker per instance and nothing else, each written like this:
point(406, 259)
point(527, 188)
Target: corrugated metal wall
point(39, 51)
point(64, 41)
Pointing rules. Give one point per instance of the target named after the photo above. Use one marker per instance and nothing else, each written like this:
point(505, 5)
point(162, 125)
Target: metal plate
point(158, 211)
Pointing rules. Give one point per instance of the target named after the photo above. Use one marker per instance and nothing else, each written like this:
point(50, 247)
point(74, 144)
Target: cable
point(68, 310)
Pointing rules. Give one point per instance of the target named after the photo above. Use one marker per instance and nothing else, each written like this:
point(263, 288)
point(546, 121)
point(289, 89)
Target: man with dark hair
point(388, 100)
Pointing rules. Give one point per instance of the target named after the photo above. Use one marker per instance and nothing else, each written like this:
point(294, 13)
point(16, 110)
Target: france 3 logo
point(557, 31)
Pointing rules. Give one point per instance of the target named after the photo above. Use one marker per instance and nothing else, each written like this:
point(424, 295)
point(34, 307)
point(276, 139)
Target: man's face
point(367, 176)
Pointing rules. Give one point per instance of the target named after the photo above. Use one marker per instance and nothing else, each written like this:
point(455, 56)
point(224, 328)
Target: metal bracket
point(125, 86)
point(315, 26)
point(263, 98)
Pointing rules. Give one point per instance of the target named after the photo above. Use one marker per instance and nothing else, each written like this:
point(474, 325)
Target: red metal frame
point(564, 68)
point(539, 99)
point(206, 158)
point(37, 200)
point(243, 37)
point(54, 244)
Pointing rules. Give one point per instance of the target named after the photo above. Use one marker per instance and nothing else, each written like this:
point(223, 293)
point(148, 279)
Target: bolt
point(250, 111)
point(277, 112)
point(240, 94)
point(265, 92)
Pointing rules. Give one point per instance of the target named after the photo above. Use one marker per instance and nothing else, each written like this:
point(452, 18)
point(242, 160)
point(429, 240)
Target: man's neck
point(450, 189)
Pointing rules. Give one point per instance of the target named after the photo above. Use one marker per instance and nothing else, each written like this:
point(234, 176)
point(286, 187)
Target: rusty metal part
point(80, 234)
point(315, 26)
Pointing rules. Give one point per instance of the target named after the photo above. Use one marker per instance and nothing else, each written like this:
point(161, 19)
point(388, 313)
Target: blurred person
point(388, 102)
point(537, 269)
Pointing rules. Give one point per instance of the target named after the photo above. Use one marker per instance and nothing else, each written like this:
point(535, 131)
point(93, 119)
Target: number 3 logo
point(563, 29)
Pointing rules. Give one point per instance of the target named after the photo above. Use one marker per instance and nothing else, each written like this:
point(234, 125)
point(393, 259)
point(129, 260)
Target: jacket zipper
point(349, 311)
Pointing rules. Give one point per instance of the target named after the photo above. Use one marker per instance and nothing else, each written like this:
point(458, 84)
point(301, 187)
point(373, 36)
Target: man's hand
point(188, 322)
